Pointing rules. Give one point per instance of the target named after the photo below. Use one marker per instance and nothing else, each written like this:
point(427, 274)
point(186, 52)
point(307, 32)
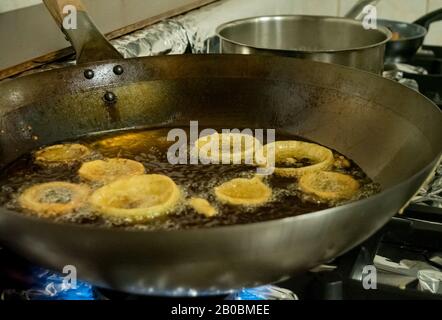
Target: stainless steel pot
point(320, 38)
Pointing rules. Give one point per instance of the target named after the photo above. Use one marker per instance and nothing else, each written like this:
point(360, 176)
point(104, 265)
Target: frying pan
point(411, 36)
point(392, 132)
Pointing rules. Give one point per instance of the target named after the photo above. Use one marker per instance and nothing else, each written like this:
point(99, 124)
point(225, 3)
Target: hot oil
point(150, 148)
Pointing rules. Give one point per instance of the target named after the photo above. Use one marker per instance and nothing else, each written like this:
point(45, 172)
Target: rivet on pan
point(110, 97)
point(89, 74)
point(118, 70)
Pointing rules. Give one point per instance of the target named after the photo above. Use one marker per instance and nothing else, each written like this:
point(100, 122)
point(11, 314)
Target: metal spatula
point(89, 44)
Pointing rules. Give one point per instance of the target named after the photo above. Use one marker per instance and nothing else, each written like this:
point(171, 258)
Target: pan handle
point(89, 43)
point(429, 18)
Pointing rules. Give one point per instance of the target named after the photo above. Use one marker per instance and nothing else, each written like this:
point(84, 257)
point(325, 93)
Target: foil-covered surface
point(430, 281)
point(392, 72)
point(166, 37)
point(263, 293)
point(192, 30)
point(40, 284)
point(431, 193)
point(403, 273)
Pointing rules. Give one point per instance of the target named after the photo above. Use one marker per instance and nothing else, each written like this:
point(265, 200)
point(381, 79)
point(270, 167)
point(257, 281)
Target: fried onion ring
point(245, 192)
point(137, 198)
point(290, 151)
point(329, 186)
point(241, 148)
point(54, 198)
point(203, 207)
point(109, 170)
point(132, 142)
point(61, 154)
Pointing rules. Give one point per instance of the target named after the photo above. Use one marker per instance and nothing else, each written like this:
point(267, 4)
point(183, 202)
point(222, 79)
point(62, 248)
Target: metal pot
point(326, 39)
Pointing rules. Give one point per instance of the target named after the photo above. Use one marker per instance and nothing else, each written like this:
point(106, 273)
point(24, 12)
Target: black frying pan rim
point(422, 35)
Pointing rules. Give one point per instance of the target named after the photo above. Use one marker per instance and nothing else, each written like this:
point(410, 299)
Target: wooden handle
point(56, 7)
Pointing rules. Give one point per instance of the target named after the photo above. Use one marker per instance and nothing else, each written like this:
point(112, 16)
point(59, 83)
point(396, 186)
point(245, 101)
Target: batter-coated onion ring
point(132, 142)
point(284, 150)
point(54, 198)
point(137, 198)
point(244, 152)
point(61, 154)
point(109, 170)
point(244, 192)
point(202, 206)
point(329, 186)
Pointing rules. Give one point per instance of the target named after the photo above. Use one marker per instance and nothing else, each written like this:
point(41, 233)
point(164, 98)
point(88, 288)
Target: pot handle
point(429, 18)
point(89, 43)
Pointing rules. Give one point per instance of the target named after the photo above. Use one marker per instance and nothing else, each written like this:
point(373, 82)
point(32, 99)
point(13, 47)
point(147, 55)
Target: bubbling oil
point(150, 148)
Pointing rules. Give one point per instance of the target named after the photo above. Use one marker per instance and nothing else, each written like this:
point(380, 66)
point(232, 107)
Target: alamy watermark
point(229, 146)
point(70, 278)
point(369, 20)
point(70, 17)
point(369, 277)
point(370, 16)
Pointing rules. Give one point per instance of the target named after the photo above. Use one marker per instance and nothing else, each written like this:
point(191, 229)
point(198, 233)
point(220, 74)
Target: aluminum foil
point(48, 285)
point(430, 280)
point(190, 31)
point(167, 37)
point(393, 72)
point(263, 293)
point(431, 193)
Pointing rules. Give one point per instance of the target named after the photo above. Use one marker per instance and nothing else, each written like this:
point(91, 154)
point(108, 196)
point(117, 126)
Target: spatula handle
point(56, 8)
point(89, 43)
